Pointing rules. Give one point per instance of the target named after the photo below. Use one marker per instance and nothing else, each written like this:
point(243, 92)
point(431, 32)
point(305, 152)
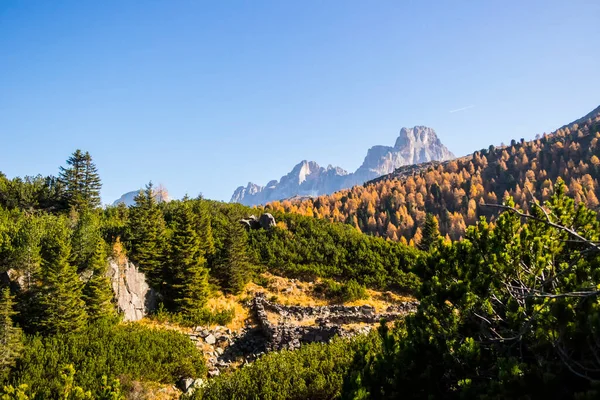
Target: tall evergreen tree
point(81, 180)
point(97, 292)
point(26, 257)
point(10, 335)
point(187, 263)
point(234, 267)
point(92, 182)
point(146, 236)
point(205, 233)
point(431, 233)
point(63, 310)
point(86, 234)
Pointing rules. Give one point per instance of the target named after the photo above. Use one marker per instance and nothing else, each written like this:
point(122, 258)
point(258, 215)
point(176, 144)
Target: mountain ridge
point(308, 179)
point(456, 192)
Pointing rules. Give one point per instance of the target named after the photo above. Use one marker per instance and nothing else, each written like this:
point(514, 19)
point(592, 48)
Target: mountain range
point(460, 191)
point(308, 179)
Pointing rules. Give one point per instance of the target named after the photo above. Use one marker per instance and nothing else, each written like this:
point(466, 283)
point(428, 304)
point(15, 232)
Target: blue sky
point(204, 96)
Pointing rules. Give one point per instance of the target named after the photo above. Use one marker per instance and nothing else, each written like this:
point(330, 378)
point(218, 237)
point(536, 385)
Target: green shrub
point(130, 350)
point(345, 291)
point(316, 371)
point(202, 317)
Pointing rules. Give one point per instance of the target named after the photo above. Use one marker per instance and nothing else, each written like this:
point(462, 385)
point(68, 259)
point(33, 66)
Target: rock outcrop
point(307, 179)
point(134, 298)
point(222, 347)
point(329, 321)
point(266, 221)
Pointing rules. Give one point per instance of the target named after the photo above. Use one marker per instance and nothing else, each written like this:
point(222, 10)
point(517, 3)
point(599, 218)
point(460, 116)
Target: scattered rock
point(210, 339)
point(185, 384)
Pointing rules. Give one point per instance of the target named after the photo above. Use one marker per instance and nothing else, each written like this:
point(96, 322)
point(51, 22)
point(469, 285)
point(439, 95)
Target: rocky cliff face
point(135, 299)
point(413, 146)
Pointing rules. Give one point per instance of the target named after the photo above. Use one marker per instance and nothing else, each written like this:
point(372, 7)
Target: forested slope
point(395, 206)
point(58, 323)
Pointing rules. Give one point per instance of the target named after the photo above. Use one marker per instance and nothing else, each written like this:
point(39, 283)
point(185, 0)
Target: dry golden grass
point(283, 291)
point(226, 302)
point(136, 390)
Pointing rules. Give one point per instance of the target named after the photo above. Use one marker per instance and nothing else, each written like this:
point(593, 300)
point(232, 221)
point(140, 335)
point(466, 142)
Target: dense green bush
point(316, 371)
point(307, 248)
point(345, 291)
point(127, 350)
point(202, 317)
point(511, 311)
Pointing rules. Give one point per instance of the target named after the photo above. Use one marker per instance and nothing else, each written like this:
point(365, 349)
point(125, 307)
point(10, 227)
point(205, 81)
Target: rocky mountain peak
point(413, 146)
point(160, 195)
point(416, 135)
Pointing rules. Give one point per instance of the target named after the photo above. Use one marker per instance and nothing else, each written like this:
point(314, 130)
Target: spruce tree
point(234, 267)
point(431, 233)
point(92, 183)
point(26, 249)
point(146, 236)
point(10, 335)
point(205, 233)
point(86, 234)
point(81, 181)
point(187, 264)
point(97, 292)
point(63, 310)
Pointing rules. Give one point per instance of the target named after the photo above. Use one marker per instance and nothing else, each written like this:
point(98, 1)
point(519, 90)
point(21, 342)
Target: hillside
point(395, 205)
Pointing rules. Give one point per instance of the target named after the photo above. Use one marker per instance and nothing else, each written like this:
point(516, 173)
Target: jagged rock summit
point(160, 195)
point(307, 179)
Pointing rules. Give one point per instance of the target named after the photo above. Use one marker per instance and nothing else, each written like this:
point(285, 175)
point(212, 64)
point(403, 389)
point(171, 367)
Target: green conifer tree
point(26, 249)
point(146, 236)
point(431, 233)
point(97, 292)
point(81, 181)
point(187, 263)
point(92, 183)
point(10, 335)
point(86, 234)
point(234, 267)
point(205, 233)
point(63, 309)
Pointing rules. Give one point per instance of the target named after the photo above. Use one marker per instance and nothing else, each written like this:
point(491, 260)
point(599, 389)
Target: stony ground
point(284, 313)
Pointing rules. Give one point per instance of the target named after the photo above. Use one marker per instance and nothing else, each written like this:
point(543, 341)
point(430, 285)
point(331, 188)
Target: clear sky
point(204, 96)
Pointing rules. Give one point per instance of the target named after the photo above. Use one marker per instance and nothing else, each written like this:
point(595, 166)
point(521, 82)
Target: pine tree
point(81, 180)
point(63, 310)
point(146, 237)
point(431, 233)
point(97, 292)
point(234, 268)
point(10, 335)
point(187, 264)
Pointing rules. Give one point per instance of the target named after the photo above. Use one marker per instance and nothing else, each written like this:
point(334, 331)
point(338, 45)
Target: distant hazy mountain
point(160, 194)
point(413, 146)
